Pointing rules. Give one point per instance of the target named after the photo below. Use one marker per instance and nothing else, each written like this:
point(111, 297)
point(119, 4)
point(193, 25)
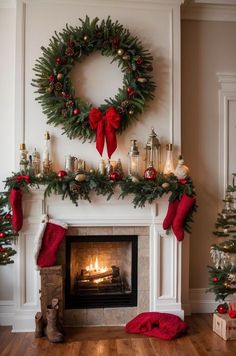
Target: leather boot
point(38, 325)
point(51, 330)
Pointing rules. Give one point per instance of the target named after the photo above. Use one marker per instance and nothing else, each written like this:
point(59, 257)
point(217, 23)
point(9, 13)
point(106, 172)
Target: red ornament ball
point(140, 60)
point(62, 174)
point(215, 279)
point(8, 216)
point(222, 308)
point(130, 91)
point(58, 60)
point(2, 249)
point(51, 78)
point(76, 111)
point(2, 235)
point(150, 173)
point(115, 176)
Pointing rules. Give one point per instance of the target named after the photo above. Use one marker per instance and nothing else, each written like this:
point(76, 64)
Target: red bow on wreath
point(105, 126)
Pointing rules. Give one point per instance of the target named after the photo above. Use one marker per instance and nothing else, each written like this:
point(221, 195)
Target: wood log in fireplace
point(90, 276)
point(109, 281)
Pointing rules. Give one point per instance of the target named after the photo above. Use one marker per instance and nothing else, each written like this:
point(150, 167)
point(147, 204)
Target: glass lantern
point(169, 166)
point(153, 151)
point(133, 159)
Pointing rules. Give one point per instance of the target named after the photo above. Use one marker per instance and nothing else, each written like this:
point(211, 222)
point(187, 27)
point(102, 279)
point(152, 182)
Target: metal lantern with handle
point(153, 151)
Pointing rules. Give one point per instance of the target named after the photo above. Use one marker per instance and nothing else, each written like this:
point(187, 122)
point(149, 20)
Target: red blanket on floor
point(162, 325)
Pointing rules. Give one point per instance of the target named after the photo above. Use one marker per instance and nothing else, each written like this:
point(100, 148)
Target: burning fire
point(95, 267)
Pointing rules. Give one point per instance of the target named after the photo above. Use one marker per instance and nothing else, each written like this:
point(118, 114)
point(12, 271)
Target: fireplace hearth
point(101, 271)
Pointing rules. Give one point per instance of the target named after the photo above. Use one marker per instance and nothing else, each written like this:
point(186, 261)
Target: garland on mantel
point(80, 187)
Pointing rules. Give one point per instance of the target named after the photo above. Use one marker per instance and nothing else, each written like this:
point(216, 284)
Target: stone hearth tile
point(141, 230)
point(123, 230)
point(75, 317)
point(99, 230)
point(143, 301)
point(130, 313)
point(143, 283)
point(114, 316)
point(95, 316)
point(143, 244)
point(73, 231)
point(143, 265)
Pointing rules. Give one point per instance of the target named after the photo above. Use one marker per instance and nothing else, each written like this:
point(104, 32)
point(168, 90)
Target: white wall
point(155, 22)
point(7, 104)
point(207, 48)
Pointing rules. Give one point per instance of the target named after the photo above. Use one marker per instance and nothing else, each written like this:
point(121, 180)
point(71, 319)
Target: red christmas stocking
point(170, 215)
point(53, 235)
point(185, 205)
point(15, 199)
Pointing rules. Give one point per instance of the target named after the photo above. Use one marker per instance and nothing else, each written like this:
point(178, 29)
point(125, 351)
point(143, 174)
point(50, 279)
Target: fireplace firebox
point(101, 271)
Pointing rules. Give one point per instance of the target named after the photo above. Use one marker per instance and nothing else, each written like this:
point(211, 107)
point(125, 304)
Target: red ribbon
point(105, 126)
point(22, 178)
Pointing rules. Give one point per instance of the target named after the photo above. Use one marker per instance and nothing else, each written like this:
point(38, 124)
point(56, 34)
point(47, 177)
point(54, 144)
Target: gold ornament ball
point(80, 177)
point(131, 112)
point(120, 52)
point(165, 185)
point(85, 38)
point(39, 175)
point(126, 57)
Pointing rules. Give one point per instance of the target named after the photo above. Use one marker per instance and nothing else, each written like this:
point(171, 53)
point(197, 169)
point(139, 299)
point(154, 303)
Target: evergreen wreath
point(55, 89)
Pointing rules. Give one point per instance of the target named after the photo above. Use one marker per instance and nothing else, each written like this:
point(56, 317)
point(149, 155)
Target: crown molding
point(211, 10)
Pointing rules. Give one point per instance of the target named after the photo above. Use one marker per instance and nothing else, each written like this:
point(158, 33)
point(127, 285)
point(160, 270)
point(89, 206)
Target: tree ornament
point(150, 173)
point(215, 279)
point(141, 80)
point(76, 111)
point(59, 76)
point(61, 174)
point(222, 308)
point(130, 91)
point(58, 60)
point(165, 185)
point(120, 52)
point(89, 37)
point(80, 177)
point(8, 216)
point(115, 176)
point(51, 78)
point(126, 57)
point(2, 235)
point(140, 60)
point(181, 171)
point(131, 112)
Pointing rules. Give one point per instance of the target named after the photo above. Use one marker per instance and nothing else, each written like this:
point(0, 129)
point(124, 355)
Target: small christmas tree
point(6, 234)
point(223, 274)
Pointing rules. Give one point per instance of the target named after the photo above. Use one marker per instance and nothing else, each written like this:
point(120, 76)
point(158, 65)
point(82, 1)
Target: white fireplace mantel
point(164, 250)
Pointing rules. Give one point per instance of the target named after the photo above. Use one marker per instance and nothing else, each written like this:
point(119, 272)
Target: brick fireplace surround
point(160, 286)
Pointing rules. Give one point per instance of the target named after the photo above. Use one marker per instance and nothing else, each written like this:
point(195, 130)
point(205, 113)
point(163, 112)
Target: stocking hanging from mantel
point(47, 241)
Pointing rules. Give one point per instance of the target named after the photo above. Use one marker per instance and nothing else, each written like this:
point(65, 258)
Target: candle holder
point(133, 159)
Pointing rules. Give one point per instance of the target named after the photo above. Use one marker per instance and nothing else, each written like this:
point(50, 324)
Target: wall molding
point(209, 11)
point(7, 310)
point(227, 96)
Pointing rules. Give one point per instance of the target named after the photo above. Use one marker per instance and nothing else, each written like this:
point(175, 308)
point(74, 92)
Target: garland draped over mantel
point(143, 191)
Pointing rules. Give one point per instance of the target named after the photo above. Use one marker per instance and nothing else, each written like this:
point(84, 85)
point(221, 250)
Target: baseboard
point(202, 302)
point(7, 309)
